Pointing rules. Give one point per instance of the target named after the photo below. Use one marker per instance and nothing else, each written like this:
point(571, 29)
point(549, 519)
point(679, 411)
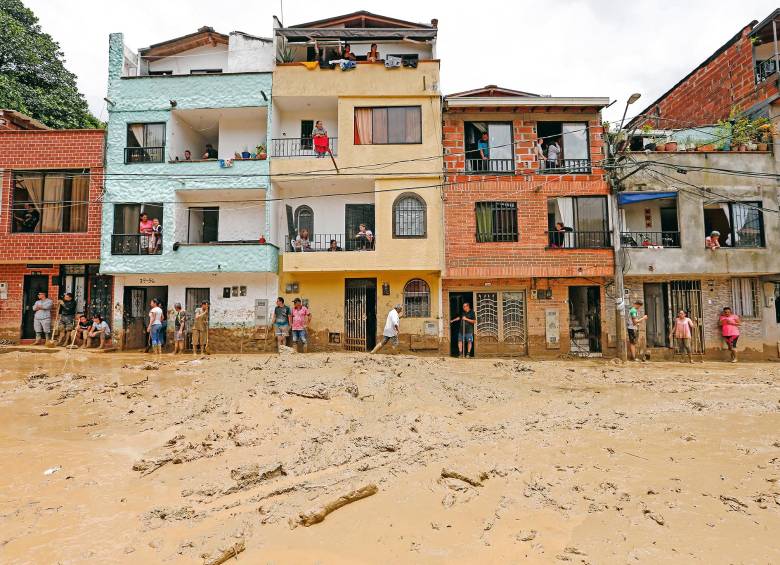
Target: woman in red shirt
point(729, 326)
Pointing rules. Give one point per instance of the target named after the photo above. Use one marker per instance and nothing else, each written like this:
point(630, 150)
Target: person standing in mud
point(729, 326)
point(67, 318)
point(179, 328)
point(301, 318)
point(42, 317)
point(392, 328)
point(281, 321)
point(200, 329)
point(634, 319)
point(467, 321)
point(155, 326)
point(681, 333)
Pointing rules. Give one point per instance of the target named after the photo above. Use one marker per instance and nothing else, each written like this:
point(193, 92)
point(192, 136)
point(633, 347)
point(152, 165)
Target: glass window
point(50, 202)
point(409, 216)
point(304, 219)
point(388, 125)
point(417, 299)
point(746, 295)
point(489, 146)
point(575, 141)
point(578, 222)
point(145, 143)
point(741, 224)
point(496, 221)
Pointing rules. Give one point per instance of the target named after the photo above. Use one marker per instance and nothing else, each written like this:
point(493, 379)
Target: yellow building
point(379, 166)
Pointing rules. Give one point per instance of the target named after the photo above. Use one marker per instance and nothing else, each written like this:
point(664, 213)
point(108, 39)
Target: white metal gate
point(501, 318)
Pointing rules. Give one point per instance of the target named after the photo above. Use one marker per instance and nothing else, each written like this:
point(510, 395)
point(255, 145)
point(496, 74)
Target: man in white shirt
point(553, 154)
point(391, 329)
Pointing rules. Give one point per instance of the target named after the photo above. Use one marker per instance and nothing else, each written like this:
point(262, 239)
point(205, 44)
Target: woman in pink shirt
point(146, 229)
point(729, 327)
point(681, 332)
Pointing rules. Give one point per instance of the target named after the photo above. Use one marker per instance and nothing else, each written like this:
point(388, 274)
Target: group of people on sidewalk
point(681, 334)
point(158, 327)
point(66, 328)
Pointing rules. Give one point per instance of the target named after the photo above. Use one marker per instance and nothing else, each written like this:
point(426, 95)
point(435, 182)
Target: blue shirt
point(484, 146)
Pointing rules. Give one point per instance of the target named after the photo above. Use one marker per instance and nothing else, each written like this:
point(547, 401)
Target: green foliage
point(33, 77)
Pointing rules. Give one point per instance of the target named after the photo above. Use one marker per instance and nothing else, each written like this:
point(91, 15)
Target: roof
point(641, 116)
point(365, 20)
point(764, 25)
point(490, 90)
point(204, 36)
point(22, 121)
point(531, 103)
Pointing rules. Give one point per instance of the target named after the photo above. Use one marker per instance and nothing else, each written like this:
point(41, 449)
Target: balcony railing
point(329, 242)
point(650, 239)
point(765, 69)
point(579, 239)
point(300, 147)
point(144, 155)
point(564, 167)
point(490, 166)
point(136, 244)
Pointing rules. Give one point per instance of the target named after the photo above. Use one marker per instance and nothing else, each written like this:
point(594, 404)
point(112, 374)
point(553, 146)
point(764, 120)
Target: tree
point(33, 77)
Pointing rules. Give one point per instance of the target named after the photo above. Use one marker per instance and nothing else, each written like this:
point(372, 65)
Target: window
point(409, 216)
point(50, 202)
point(496, 221)
point(127, 238)
point(203, 225)
point(746, 295)
point(304, 219)
point(417, 299)
point(160, 73)
point(571, 141)
point(388, 125)
point(741, 224)
point(145, 143)
point(578, 222)
point(489, 147)
point(205, 71)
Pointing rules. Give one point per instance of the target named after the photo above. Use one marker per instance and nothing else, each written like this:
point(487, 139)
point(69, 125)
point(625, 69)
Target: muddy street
point(350, 458)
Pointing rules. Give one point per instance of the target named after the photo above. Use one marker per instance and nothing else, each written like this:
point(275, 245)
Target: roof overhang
point(22, 121)
point(597, 102)
point(205, 36)
point(307, 34)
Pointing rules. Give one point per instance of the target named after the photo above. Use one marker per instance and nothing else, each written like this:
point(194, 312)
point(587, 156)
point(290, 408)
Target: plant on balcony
point(261, 153)
point(285, 55)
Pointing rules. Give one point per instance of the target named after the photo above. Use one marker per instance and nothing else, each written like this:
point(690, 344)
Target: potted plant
point(660, 144)
point(670, 146)
point(261, 153)
point(245, 153)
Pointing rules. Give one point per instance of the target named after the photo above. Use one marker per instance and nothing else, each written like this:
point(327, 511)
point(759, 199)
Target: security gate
point(501, 322)
point(686, 295)
point(359, 314)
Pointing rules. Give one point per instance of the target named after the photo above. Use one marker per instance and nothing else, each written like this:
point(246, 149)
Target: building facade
point(186, 148)
point(51, 185)
point(527, 240)
point(380, 166)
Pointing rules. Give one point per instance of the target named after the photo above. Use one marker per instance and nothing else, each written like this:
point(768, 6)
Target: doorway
point(33, 284)
point(585, 320)
point(193, 298)
point(359, 314)
point(354, 215)
point(657, 308)
point(457, 299)
point(136, 313)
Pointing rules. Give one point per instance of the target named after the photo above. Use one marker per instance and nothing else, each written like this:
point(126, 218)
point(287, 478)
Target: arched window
point(304, 219)
point(417, 299)
point(409, 216)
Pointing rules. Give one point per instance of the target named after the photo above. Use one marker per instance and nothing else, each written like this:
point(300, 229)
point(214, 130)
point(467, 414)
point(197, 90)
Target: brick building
point(55, 177)
point(527, 240)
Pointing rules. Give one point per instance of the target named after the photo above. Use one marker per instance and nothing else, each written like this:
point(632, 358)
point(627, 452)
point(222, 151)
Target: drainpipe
point(777, 55)
point(620, 293)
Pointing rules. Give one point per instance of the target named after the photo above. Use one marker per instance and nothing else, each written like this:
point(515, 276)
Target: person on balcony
point(156, 240)
point(712, 241)
point(302, 242)
point(334, 246)
point(146, 229)
point(210, 152)
point(320, 137)
point(373, 55)
point(348, 54)
point(539, 152)
point(364, 237)
point(558, 236)
point(28, 221)
point(187, 155)
point(483, 150)
point(553, 154)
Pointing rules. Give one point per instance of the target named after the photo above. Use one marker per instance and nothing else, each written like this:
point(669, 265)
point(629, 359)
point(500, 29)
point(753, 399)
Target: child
point(179, 329)
point(156, 240)
point(82, 330)
point(100, 330)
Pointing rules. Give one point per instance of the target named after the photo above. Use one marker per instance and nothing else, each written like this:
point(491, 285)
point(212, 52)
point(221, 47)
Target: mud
point(116, 458)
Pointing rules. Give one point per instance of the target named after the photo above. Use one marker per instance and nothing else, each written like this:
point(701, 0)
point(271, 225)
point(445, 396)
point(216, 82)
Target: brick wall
point(528, 256)
point(709, 93)
point(11, 308)
point(51, 149)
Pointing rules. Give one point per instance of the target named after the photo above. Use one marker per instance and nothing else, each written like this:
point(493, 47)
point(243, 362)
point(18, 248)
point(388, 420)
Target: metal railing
point(144, 155)
point(329, 242)
point(650, 239)
point(300, 147)
point(136, 244)
point(578, 239)
point(765, 69)
point(564, 166)
point(490, 166)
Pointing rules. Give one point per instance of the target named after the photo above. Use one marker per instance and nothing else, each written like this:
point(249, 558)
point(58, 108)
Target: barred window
point(417, 299)
point(304, 219)
point(409, 216)
point(746, 294)
point(496, 221)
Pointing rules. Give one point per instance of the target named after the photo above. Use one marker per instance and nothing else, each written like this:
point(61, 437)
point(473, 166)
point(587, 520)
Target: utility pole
point(620, 291)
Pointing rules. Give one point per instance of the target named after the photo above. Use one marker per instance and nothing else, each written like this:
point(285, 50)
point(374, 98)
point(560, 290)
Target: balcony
point(144, 155)
point(301, 147)
point(328, 242)
point(565, 167)
point(765, 69)
point(579, 239)
point(493, 166)
point(225, 257)
point(650, 239)
point(136, 244)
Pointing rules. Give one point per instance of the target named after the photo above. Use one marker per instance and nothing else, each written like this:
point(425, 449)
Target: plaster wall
point(205, 57)
point(249, 54)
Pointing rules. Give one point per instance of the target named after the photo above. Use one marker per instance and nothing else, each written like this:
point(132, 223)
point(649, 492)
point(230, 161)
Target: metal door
point(134, 318)
point(686, 295)
point(359, 314)
point(501, 321)
point(193, 297)
point(513, 328)
point(100, 296)
point(354, 215)
point(33, 284)
point(656, 309)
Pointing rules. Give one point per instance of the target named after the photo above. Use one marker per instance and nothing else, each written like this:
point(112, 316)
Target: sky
point(559, 47)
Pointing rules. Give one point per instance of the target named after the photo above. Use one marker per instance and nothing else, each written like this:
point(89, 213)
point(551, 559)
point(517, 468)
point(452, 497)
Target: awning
point(304, 34)
point(630, 197)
